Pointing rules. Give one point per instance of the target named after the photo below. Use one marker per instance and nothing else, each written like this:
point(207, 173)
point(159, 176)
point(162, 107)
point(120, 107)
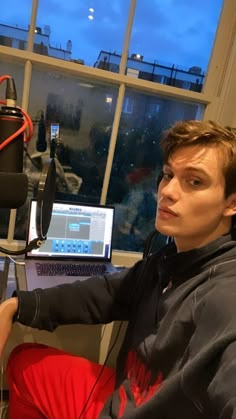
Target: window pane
point(137, 164)
point(16, 71)
point(78, 31)
point(14, 23)
point(171, 41)
point(83, 113)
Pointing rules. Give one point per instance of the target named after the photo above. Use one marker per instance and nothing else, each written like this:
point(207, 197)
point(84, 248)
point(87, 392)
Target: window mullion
point(30, 44)
point(125, 51)
point(113, 139)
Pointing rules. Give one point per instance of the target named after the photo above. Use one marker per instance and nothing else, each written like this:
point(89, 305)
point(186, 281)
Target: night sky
point(179, 32)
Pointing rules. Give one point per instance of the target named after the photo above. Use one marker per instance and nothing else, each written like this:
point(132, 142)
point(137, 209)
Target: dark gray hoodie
point(178, 358)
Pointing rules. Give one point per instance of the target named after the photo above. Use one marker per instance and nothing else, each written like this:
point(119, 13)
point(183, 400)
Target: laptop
point(78, 245)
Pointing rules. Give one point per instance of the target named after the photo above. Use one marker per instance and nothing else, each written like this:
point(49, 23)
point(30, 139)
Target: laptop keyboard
point(54, 269)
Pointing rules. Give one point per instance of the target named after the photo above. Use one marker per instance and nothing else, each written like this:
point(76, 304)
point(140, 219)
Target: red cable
point(2, 78)
point(27, 126)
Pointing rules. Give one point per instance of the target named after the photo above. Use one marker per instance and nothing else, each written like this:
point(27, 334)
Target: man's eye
point(195, 182)
point(167, 176)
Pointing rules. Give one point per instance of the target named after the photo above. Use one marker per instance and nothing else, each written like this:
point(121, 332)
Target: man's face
point(191, 204)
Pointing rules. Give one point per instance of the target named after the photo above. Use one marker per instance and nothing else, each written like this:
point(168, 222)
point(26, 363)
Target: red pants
point(45, 382)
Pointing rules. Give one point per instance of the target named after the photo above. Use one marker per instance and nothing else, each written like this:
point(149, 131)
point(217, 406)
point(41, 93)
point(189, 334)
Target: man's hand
point(7, 310)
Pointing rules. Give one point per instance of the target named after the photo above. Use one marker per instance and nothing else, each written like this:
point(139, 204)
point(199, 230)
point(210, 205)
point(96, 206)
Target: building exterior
point(16, 37)
point(190, 79)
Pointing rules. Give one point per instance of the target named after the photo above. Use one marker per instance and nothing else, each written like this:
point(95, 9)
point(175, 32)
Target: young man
point(178, 358)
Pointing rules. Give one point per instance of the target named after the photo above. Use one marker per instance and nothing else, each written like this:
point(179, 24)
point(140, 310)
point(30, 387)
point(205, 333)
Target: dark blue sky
point(168, 31)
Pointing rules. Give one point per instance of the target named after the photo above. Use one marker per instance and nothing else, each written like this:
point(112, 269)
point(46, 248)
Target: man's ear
point(230, 208)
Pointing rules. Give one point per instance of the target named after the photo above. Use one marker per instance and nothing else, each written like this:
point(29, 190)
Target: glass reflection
point(15, 70)
point(80, 113)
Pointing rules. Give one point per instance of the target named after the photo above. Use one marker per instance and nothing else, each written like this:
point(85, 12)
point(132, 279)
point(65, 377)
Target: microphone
point(13, 182)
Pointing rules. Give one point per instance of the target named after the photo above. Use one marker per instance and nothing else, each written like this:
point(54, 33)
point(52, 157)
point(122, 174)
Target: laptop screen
point(76, 230)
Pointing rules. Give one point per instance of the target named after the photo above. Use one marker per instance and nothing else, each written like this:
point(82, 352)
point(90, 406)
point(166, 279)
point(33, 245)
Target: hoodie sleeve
point(209, 376)
point(100, 299)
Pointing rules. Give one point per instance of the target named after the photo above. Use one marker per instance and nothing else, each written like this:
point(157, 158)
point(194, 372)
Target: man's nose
point(171, 189)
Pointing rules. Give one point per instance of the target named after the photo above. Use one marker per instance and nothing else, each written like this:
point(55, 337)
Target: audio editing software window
point(76, 233)
point(76, 229)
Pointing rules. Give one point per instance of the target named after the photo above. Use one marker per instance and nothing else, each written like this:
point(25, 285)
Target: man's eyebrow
point(196, 169)
point(190, 169)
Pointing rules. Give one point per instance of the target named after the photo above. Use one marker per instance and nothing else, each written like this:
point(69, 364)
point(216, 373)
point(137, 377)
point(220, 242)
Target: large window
point(171, 42)
point(85, 131)
point(156, 61)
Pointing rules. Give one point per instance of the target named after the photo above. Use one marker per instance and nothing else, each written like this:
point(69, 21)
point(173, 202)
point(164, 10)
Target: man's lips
point(167, 211)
